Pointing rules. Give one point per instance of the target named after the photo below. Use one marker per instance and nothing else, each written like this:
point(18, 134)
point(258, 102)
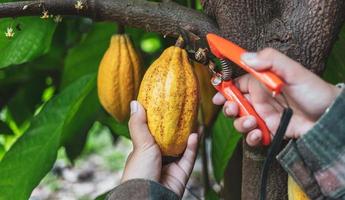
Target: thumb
point(271, 59)
point(140, 134)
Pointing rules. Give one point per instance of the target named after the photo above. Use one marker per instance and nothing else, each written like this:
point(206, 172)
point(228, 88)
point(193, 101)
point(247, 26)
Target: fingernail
point(134, 107)
point(228, 111)
point(255, 136)
point(249, 123)
point(195, 135)
point(250, 59)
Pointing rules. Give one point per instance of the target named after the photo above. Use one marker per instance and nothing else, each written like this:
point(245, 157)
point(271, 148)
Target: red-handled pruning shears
point(226, 51)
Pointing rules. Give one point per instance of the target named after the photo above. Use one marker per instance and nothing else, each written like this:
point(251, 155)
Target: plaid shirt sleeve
point(141, 189)
point(317, 160)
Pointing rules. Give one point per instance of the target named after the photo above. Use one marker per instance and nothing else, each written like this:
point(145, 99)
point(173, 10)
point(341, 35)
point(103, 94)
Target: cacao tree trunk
point(305, 30)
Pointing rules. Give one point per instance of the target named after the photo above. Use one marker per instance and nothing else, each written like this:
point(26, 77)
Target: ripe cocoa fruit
point(294, 191)
point(169, 93)
point(119, 76)
point(207, 91)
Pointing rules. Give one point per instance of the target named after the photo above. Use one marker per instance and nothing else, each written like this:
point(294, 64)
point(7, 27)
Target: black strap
point(274, 149)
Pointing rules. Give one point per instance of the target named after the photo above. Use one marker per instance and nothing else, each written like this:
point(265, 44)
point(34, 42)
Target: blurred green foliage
point(150, 43)
point(48, 96)
point(224, 142)
point(335, 68)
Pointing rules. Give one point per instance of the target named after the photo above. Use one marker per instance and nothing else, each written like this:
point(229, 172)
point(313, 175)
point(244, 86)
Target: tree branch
point(165, 18)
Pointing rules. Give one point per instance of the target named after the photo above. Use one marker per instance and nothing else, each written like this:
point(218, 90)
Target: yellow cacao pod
point(294, 191)
point(169, 93)
point(119, 76)
point(207, 91)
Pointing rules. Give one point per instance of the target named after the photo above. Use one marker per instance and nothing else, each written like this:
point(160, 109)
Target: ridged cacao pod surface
point(207, 91)
point(294, 191)
point(119, 77)
point(169, 93)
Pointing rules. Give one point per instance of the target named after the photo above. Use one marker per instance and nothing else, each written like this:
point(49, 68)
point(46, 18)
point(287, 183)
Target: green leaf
point(335, 69)
point(84, 116)
point(33, 155)
point(116, 127)
point(31, 39)
point(75, 146)
point(102, 196)
point(2, 151)
point(211, 195)
point(76, 130)
point(85, 57)
point(23, 105)
point(198, 5)
point(5, 129)
point(224, 141)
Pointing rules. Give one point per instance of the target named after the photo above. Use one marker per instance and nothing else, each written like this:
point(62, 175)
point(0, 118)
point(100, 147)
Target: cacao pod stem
point(180, 42)
point(121, 29)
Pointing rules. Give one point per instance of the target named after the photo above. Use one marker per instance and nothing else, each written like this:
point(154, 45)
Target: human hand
point(308, 95)
point(145, 161)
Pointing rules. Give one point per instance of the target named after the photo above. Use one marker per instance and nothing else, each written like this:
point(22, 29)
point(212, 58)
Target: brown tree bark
point(233, 175)
point(303, 29)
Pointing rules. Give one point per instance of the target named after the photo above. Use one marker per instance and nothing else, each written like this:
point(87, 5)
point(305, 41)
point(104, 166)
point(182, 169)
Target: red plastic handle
point(232, 93)
point(223, 48)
